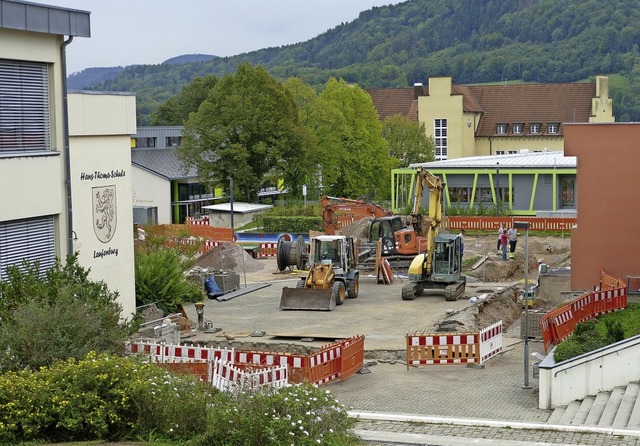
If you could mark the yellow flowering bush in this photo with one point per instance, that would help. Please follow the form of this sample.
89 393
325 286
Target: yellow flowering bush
100 397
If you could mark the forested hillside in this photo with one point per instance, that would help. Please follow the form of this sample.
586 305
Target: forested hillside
473 41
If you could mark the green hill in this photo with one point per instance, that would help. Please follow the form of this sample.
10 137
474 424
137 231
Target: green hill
472 41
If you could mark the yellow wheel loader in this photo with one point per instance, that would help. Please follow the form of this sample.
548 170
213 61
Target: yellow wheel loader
331 278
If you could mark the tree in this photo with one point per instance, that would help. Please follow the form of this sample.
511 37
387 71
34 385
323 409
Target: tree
56 315
407 140
352 154
175 110
247 129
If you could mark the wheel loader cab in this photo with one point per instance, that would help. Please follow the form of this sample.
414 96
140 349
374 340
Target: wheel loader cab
328 251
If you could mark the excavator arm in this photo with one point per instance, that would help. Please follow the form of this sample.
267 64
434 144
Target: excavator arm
433 184
350 210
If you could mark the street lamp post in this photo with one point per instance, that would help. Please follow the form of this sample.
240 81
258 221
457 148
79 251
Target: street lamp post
231 200
497 189
525 298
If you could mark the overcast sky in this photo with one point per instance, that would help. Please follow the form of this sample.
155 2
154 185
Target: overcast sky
128 32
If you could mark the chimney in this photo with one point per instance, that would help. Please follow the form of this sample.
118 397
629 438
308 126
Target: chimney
417 90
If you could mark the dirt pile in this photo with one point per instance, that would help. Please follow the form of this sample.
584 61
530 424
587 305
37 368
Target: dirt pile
554 251
229 257
484 310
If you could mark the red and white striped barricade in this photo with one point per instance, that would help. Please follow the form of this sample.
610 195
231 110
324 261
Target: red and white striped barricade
442 349
490 341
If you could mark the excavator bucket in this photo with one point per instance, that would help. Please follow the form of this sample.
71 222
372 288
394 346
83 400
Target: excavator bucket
307 299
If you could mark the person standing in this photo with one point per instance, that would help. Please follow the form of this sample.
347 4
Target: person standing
504 241
513 241
461 244
500 231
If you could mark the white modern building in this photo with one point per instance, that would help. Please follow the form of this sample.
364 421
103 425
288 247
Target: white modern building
65 160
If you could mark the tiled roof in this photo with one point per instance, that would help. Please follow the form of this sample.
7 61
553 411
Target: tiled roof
530 160
532 103
502 104
391 101
162 162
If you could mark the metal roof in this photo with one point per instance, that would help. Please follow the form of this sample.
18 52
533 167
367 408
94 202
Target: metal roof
528 160
241 208
162 162
26 16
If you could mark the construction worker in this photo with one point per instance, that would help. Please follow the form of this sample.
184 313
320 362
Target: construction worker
513 240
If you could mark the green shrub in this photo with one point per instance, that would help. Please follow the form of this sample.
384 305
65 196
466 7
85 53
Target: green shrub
298 225
101 397
300 415
57 315
598 333
160 279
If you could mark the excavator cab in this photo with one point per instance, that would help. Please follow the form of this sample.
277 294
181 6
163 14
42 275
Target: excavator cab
386 228
447 263
437 271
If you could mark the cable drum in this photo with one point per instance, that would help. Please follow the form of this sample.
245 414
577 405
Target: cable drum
291 253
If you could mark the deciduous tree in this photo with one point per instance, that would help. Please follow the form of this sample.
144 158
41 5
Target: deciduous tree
407 140
248 129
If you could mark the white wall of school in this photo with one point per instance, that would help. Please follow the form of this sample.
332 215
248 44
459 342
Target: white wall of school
100 127
150 190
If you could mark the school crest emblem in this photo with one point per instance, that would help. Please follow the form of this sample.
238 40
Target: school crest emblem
104 212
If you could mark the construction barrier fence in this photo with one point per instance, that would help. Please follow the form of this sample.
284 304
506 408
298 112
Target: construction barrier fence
338 360
558 324
547 224
226 376
454 348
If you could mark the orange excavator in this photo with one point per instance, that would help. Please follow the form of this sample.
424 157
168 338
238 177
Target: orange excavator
340 212
401 240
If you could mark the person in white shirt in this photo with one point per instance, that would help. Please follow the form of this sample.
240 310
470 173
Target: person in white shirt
513 240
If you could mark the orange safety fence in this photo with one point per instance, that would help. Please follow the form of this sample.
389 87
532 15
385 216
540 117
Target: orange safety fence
200 370
338 360
352 356
267 249
552 224
443 349
558 324
608 282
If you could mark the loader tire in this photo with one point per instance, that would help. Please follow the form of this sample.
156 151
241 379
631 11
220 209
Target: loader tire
338 292
353 287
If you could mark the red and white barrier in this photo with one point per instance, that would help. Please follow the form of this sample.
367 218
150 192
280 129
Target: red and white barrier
490 341
455 348
226 376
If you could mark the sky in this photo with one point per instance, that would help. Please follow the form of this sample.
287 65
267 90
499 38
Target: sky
129 32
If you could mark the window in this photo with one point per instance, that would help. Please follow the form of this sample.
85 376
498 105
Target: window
145 143
517 129
512 152
483 195
553 128
459 194
440 133
568 186
174 141
534 129
499 152
501 129
24 115
30 239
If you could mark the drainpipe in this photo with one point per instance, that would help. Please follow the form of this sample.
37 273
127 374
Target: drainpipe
67 157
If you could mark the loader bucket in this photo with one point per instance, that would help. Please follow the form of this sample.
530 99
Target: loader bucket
307 299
